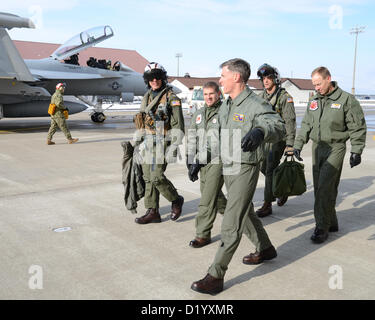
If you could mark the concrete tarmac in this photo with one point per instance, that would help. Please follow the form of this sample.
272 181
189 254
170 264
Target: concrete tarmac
102 254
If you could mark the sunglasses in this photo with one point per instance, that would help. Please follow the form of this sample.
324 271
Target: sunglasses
156 74
155 77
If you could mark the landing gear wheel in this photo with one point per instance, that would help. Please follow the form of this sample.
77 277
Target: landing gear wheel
101 117
98 117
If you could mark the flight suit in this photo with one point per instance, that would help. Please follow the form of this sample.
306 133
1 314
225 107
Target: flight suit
58 119
329 121
204 143
283 104
241 171
157 144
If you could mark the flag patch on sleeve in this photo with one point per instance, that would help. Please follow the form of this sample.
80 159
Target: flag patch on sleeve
175 103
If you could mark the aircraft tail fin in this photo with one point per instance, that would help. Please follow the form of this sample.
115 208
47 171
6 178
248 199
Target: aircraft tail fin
9 21
12 66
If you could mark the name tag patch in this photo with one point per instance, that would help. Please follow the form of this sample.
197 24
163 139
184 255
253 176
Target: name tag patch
335 105
238 117
313 105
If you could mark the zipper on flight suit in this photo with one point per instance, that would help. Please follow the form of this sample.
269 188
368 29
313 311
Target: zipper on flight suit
320 106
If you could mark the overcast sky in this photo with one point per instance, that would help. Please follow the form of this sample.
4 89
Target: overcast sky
294 35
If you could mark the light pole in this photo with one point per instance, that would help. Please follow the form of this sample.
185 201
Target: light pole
178 56
355 31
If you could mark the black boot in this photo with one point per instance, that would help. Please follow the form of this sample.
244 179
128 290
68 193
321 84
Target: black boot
319 236
281 201
333 228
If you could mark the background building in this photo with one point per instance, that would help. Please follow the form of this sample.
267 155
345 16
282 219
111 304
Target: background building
40 50
299 89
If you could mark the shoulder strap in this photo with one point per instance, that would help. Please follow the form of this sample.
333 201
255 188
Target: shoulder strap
145 101
275 97
155 101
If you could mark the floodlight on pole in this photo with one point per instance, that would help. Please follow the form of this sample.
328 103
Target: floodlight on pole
355 31
178 56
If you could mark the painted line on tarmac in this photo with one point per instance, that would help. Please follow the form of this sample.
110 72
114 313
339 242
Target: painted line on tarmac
33 128
22 129
6 132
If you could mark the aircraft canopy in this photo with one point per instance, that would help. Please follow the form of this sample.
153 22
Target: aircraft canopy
84 40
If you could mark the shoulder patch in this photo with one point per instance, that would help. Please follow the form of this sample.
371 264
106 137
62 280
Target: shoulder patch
289 100
198 119
313 105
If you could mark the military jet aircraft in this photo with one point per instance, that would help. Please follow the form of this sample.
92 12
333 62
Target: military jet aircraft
26 86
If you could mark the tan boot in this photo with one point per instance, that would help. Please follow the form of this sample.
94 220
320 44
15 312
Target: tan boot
70 141
265 210
50 142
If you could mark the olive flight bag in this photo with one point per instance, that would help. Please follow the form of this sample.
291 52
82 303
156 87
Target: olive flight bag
289 179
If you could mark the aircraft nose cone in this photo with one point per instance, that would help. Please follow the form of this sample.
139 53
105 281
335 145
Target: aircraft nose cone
75 107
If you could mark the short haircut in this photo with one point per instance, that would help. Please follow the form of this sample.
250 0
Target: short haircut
238 65
212 85
323 71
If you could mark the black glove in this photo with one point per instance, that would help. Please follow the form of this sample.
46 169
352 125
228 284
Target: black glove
252 140
355 159
193 171
297 154
189 161
187 164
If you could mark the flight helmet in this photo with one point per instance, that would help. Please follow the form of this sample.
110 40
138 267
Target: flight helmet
267 70
154 70
61 85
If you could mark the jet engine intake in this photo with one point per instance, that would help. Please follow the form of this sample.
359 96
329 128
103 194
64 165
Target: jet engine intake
127 96
37 109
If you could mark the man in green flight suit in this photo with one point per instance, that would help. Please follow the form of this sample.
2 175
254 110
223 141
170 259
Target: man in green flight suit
161 127
246 121
282 103
58 118
203 156
332 117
